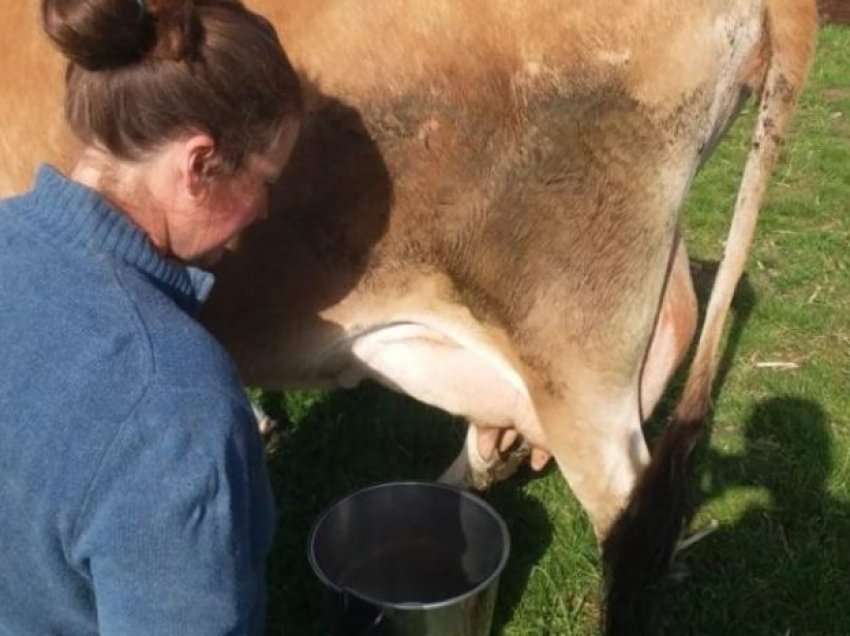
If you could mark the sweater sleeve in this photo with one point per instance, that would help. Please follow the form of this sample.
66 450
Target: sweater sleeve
178 521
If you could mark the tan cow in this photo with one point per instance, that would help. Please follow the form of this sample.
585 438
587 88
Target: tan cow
482 212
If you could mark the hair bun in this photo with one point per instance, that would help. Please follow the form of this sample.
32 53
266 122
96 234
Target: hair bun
173 24
106 34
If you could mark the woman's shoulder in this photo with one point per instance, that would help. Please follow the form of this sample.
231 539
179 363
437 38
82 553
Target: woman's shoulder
184 354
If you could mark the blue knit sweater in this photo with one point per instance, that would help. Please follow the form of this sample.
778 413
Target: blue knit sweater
133 494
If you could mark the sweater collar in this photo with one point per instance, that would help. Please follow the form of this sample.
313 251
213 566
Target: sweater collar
73 214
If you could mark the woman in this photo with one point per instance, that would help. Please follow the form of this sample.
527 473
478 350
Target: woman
133 491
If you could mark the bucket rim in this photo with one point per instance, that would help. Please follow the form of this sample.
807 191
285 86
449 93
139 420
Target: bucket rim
503 531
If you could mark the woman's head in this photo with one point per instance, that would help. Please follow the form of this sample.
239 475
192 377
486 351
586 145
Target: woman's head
203 83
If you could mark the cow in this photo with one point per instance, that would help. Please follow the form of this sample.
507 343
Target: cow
482 212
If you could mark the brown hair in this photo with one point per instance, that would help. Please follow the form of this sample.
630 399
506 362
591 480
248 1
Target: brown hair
141 72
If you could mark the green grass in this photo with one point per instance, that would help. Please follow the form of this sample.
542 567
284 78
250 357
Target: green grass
776 473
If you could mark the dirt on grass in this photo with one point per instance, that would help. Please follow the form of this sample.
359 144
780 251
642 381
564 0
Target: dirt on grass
833 95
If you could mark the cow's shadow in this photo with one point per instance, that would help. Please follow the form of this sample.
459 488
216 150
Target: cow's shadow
783 567
338 443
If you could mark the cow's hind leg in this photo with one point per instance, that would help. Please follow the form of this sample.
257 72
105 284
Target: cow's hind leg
492 454
596 438
674 330
638 549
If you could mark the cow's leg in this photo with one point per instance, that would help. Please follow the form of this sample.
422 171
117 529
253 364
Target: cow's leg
674 331
488 454
596 438
593 424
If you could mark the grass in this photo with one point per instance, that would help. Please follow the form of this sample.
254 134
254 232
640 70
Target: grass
775 475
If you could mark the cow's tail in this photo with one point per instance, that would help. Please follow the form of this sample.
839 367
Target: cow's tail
638 549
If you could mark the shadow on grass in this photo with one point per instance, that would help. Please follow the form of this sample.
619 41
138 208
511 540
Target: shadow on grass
783 567
346 440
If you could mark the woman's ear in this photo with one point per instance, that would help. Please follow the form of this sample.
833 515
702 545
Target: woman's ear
198 158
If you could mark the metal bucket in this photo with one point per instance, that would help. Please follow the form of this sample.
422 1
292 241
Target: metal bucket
409 559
